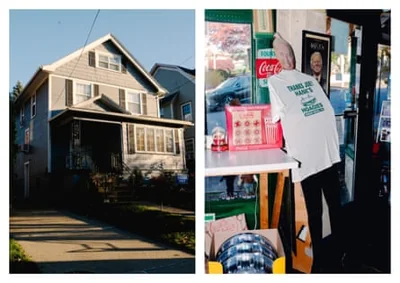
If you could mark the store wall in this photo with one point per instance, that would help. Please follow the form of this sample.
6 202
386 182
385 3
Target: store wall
291 23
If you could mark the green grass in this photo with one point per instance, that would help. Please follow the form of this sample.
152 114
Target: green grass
20 262
174 229
17 254
183 239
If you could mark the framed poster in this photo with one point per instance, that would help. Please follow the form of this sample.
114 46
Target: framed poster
384 128
316 57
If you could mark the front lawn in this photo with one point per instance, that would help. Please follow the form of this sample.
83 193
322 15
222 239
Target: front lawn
173 229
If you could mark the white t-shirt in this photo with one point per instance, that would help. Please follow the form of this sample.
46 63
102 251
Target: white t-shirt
308 122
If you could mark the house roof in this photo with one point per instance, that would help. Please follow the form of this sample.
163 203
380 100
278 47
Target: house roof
188 73
38 77
170 97
99 116
53 66
120 46
104 100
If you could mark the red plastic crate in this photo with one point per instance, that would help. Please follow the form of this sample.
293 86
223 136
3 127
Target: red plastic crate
250 127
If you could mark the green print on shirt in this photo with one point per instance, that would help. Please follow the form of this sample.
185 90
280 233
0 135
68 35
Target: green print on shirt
304 90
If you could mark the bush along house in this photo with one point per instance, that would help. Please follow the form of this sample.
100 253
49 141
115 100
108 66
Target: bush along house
94 114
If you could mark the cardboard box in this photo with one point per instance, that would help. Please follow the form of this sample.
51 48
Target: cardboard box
271 234
231 224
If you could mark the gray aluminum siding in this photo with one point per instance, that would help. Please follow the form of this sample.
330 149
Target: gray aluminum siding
187 94
167 111
112 92
37 126
173 81
81 70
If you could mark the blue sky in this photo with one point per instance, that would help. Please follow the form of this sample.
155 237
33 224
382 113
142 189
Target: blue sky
40 37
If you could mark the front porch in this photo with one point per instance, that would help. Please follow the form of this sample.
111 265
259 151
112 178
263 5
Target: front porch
111 153
87 146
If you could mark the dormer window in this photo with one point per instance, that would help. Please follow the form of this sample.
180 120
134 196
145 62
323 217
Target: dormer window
109 61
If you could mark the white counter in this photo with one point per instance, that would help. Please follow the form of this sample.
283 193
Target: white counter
247 162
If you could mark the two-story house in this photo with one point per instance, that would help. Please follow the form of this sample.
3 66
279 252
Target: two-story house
97 109
179 103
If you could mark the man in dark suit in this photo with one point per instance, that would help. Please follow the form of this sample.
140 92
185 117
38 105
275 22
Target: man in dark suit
316 65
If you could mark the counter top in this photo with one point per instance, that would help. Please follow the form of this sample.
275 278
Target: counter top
247 162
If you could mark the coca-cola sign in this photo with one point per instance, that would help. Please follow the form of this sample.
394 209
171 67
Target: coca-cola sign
266 67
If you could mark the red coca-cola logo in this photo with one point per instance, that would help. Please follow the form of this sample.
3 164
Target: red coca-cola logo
267 67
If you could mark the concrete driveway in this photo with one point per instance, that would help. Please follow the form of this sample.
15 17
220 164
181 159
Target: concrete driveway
61 242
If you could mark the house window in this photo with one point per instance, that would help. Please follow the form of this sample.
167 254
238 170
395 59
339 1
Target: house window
140 139
133 102
189 146
22 116
150 141
109 61
27 137
169 141
33 105
160 145
187 111
154 140
83 91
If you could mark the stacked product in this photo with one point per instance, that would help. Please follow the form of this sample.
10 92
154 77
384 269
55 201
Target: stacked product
247 253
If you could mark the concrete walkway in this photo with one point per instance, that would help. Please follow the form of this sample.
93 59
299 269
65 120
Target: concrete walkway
61 242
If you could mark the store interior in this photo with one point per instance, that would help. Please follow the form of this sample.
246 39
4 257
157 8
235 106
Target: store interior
356 51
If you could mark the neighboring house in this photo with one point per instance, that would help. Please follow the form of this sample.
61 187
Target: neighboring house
179 103
95 110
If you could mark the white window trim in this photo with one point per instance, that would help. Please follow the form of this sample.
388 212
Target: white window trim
140 100
191 111
22 116
98 53
145 140
74 90
102 84
33 103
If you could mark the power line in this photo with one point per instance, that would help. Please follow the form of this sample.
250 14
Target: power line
87 38
179 86
80 55
186 60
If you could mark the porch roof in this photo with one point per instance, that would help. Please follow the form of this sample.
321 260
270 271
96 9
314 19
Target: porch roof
73 113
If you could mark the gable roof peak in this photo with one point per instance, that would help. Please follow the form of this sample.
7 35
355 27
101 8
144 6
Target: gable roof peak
52 67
